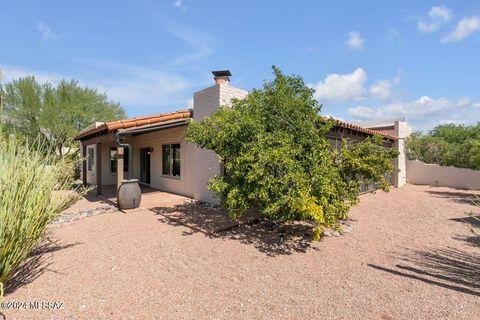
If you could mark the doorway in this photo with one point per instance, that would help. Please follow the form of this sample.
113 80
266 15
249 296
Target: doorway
91 162
145 165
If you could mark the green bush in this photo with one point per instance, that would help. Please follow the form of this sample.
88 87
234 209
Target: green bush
447 145
278 160
34 189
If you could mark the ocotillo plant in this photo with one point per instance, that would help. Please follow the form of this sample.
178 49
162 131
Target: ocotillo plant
34 189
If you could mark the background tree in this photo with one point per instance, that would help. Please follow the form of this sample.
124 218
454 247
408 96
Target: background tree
447 145
278 160
56 112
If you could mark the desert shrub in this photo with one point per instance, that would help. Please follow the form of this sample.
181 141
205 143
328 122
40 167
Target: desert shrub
278 160
447 145
34 189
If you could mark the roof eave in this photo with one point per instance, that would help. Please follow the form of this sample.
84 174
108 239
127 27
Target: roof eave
110 127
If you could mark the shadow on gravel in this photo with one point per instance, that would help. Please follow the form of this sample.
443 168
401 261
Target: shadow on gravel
448 268
199 217
266 236
459 196
35 265
473 223
273 239
473 240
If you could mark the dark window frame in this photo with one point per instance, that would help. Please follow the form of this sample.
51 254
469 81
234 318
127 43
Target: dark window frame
113 160
172 160
90 159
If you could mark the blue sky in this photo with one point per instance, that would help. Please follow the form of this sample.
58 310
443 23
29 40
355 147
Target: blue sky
369 62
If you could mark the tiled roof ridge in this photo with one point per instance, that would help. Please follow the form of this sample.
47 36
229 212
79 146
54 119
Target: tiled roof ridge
111 126
357 127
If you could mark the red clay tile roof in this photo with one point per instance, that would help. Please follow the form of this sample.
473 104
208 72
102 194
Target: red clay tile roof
112 126
356 127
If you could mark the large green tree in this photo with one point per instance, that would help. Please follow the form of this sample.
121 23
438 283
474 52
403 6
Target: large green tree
278 160
56 112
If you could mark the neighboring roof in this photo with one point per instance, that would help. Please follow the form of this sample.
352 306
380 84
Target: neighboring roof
113 126
356 127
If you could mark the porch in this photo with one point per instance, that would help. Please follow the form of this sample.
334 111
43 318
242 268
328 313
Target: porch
158 158
179 210
151 197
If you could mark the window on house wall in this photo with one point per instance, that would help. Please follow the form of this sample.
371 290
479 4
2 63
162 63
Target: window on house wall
126 159
335 142
90 159
114 158
171 159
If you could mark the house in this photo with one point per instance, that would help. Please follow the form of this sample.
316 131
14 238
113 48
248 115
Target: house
162 159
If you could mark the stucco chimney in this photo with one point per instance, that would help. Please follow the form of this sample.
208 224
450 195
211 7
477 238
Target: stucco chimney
222 76
205 102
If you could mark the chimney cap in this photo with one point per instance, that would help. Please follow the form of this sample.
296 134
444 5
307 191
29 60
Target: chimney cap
221 73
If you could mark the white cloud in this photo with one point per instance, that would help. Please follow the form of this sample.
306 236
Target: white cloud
46 32
476 105
135 86
14 72
151 88
200 43
355 41
312 50
143 86
342 87
179 4
394 36
383 89
420 107
427 27
437 16
463 102
423 113
352 86
440 13
363 113
465 28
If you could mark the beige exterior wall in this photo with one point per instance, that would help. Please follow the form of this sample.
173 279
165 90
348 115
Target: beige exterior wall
206 162
155 140
402 130
432 174
107 142
179 185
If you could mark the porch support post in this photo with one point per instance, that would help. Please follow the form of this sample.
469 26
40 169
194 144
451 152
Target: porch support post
119 166
402 131
98 167
84 164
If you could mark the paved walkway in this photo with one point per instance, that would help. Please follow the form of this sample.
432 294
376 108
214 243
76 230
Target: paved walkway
151 198
202 217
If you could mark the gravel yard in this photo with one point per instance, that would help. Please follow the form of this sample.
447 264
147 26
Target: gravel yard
411 255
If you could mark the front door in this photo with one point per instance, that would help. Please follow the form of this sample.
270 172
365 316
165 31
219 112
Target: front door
145 165
91 162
